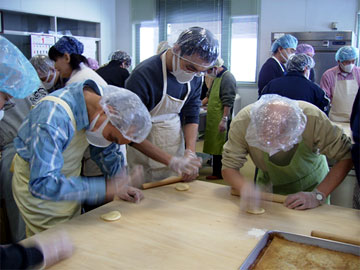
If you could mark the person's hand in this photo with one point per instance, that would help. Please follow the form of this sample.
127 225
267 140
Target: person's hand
54 248
222 125
187 166
131 194
250 196
124 185
302 200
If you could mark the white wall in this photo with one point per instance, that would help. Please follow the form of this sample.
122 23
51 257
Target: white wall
102 11
298 16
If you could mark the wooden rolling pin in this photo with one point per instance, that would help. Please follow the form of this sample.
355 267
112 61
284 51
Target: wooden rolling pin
166 181
264 196
335 237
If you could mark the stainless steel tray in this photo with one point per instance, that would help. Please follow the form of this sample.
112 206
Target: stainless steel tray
308 240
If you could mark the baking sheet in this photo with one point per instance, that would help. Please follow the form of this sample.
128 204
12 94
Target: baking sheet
303 239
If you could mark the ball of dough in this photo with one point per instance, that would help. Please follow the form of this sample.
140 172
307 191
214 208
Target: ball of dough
256 211
182 187
111 216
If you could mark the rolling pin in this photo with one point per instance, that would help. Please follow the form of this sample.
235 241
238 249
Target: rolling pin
166 181
335 237
264 196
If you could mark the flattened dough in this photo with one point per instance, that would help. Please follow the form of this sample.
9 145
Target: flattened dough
256 211
182 187
111 216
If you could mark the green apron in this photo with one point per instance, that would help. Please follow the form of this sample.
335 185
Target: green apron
214 140
304 172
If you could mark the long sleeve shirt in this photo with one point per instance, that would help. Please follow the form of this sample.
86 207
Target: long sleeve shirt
46 133
327 81
15 256
146 80
320 135
269 71
295 86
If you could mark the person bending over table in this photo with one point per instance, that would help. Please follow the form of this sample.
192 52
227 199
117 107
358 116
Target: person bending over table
288 141
51 142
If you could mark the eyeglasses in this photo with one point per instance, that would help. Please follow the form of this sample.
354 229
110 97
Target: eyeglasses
192 69
8 104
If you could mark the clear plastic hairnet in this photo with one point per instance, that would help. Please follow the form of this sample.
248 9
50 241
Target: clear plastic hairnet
346 53
305 48
126 112
219 62
121 56
18 77
42 64
199 41
276 124
299 62
286 41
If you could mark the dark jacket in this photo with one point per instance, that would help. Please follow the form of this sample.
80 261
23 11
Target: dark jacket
269 71
294 85
113 74
354 124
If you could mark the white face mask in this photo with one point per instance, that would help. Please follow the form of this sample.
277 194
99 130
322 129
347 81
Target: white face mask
287 55
96 137
180 75
307 74
1 114
347 68
49 85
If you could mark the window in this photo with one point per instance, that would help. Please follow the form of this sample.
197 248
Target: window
244 31
234 23
149 39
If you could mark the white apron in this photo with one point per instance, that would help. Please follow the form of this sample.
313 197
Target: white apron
41 214
343 99
166 133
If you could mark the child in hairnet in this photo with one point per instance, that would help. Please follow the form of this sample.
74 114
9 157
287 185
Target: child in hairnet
52 140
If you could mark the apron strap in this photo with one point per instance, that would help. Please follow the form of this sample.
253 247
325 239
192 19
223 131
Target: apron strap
64 105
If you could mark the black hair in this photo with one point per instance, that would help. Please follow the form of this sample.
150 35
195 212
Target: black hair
75 59
200 41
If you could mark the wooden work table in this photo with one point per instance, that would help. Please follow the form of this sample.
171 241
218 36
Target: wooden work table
202 228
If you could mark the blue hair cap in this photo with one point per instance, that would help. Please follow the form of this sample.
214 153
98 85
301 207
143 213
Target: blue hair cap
18 77
346 53
286 41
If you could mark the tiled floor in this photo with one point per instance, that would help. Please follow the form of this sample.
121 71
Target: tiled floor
248 170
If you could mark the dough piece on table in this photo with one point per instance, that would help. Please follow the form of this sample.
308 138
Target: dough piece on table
256 211
111 216
182 187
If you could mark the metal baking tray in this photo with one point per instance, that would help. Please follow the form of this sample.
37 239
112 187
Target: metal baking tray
308 240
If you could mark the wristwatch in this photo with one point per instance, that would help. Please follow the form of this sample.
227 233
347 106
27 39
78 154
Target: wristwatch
320 196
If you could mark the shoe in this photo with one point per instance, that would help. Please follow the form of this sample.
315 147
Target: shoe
213 177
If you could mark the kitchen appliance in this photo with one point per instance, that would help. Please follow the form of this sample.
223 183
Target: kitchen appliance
325 44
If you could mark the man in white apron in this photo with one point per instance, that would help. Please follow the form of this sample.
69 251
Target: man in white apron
288 141
51 142
169 85
341 83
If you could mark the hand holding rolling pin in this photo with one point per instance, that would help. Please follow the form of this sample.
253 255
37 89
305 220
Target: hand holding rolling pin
187 166
122 185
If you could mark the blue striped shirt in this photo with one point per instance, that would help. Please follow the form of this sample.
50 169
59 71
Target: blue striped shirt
46 133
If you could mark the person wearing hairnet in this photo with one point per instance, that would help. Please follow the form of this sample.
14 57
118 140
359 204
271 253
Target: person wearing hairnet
14 116
169 84
49 76
115 72
219 100
18 79
274 67
73 66
308 50
289 142
52 140
297 85
341 83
